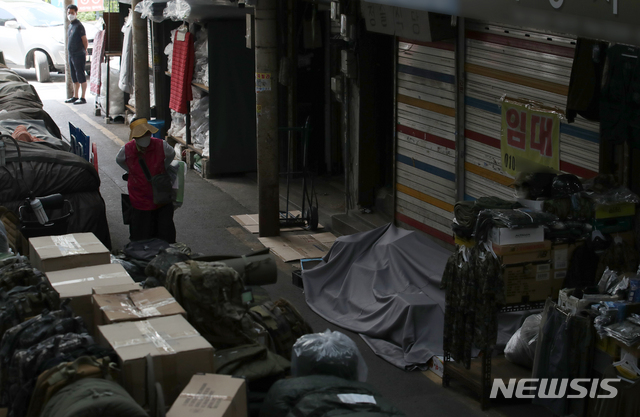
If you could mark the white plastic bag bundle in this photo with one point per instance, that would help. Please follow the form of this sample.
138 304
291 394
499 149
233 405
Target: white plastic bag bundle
521 348
146 10
328 353
116 95
201 65
199 121
177 10
178 125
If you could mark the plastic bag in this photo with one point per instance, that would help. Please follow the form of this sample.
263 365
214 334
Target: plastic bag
177 10
604 189
608 282
201 65
178 124
328 353
116 95
148 11
626 332
521 348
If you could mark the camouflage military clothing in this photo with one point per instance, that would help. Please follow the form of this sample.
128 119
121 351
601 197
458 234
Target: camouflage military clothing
283 322
620 257
19 274
576 207
23 371
30 333
474 294
211 294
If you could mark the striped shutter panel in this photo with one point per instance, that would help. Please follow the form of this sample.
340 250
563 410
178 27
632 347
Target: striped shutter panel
520 63
425 154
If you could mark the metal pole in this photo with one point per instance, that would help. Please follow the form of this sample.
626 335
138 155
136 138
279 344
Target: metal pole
140 63
292 114
67 70
267 117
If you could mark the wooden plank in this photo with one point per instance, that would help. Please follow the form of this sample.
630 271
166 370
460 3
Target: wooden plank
175 139
201 87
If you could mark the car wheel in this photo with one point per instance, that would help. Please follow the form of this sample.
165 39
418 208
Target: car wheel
42 67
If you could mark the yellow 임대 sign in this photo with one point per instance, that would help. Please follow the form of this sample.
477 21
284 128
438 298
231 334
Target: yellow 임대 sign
530 136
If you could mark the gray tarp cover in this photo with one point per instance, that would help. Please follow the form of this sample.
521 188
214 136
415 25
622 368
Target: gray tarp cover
385 285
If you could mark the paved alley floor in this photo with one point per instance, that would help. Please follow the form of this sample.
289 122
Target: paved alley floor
204 223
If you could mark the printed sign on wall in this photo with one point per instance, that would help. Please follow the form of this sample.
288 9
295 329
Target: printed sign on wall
530 135
90 5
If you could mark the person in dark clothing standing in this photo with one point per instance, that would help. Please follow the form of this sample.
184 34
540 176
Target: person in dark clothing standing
148 220
77 45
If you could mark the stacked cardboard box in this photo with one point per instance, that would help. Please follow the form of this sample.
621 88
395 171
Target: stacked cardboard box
134 305
212 396
77 284
527 271
55 253
177 350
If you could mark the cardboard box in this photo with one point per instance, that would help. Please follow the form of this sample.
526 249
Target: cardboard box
502 250
607 211
177 349
530 282
56 253
117 289
526 257
561 254
134 305
436 365
212 395
505 236
77 284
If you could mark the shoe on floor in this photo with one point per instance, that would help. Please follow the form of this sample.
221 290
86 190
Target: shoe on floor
80 101
71 100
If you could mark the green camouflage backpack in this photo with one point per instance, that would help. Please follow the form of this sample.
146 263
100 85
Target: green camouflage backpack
19 274
211 294
54 379
283 322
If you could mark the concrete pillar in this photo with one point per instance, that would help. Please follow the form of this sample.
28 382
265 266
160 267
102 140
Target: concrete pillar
140 63
267 117
67 70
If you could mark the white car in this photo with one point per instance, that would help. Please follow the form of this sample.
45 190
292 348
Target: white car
32 36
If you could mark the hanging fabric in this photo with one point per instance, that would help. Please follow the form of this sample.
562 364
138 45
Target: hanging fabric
97 56
126 67
182 71
586 80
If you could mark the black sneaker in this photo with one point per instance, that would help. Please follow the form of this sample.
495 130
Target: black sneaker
80 101
71 100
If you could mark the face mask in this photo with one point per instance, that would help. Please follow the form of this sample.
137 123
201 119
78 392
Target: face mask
72 17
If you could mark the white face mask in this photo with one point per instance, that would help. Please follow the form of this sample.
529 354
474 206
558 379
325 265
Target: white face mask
71 17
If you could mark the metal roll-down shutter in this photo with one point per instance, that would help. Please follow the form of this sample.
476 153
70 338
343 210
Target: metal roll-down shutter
522 64
425 152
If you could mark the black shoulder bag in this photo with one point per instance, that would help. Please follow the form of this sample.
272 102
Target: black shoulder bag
161 185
